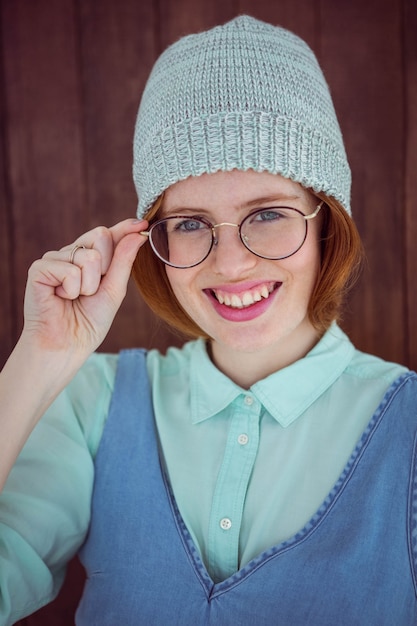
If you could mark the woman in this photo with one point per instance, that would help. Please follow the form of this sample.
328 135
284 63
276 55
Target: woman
263 474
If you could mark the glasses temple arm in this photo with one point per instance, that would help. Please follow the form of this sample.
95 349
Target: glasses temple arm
316 212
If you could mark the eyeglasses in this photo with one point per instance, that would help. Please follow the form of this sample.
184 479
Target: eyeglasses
275 233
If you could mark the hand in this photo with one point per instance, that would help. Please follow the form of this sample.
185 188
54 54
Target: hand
70 306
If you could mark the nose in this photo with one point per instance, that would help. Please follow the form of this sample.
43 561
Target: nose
229 255
215 226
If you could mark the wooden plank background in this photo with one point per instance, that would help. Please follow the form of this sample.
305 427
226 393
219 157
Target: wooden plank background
71 74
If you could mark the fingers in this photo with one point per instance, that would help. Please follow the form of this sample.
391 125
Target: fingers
55 276
117 277
77 269
103 240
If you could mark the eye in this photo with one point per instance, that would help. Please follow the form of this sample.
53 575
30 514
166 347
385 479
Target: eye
270 215
189 225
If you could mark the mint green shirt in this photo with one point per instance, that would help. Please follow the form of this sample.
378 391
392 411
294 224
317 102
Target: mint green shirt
248 467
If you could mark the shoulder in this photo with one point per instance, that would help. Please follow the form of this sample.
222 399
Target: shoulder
389 387
365 379
99 370
368 367
93 384
176 361
81 410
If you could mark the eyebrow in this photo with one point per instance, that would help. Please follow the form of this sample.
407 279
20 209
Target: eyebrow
256 202
271 198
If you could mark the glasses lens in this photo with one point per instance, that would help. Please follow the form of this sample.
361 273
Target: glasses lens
274 233
181 241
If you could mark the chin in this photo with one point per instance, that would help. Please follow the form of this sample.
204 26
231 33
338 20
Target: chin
271 337
249 340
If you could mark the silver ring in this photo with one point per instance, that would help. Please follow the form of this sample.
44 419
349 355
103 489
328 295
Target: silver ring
74 250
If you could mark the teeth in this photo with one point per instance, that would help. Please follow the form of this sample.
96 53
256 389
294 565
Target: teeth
264 292
236 301
248 299
245 299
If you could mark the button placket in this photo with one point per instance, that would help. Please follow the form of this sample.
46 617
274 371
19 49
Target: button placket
231 487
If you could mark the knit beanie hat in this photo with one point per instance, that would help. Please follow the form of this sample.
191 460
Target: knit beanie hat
245 95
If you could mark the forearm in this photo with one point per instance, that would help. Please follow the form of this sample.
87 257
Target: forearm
29 382
45 504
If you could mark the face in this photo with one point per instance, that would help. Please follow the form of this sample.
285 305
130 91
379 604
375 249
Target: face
249 306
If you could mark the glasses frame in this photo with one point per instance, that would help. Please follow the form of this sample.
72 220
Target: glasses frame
214 240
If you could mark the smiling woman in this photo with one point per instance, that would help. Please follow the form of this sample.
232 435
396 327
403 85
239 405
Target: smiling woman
261 473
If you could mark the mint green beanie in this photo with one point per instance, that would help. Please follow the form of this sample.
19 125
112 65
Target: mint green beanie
246 95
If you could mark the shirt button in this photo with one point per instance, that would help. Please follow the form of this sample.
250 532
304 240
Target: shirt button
225 523
243 439
248 400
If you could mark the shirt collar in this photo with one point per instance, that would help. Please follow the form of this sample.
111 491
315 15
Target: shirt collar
285 394
211 390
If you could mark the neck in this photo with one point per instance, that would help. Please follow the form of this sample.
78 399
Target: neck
246 367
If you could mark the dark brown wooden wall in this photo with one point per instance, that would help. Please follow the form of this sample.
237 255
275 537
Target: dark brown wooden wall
71 76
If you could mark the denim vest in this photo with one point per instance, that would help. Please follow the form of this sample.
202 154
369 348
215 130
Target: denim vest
354 563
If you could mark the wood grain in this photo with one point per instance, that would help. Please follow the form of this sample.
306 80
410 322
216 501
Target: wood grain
410 196
362 58
45 166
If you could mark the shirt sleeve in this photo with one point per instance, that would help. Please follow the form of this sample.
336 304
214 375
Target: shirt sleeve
45 505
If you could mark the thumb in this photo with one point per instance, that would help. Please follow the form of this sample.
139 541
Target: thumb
118 274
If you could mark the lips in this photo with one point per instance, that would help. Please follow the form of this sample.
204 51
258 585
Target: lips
244 298
246 302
